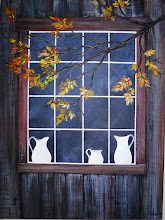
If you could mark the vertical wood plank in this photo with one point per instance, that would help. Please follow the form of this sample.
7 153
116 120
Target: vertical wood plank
127 197
60 199
9 178
46 183
99 197
37 8
31 198
74 193
152 184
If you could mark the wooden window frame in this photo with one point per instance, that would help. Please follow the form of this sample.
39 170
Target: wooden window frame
83 24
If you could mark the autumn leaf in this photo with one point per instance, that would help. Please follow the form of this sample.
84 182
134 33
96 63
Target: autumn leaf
71 115
128 98
152 67
95 2
86 93
52 103
61 116
142 79
10 14
67 86
149 53
121 3
134 67
61 23
108 13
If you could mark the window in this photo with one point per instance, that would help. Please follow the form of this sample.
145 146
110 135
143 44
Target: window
98 120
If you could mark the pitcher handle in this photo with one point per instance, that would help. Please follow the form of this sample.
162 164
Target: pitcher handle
87 152
30 143
130 135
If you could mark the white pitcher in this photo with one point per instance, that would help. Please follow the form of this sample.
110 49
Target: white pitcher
40 154
123 154
95 156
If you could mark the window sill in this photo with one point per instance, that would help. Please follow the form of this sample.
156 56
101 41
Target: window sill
82 169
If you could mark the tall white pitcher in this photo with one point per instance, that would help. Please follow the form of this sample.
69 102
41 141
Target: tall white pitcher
40 154
123 154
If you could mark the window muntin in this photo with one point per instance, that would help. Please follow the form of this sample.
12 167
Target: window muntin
70 138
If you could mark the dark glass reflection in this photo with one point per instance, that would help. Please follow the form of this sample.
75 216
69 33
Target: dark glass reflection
122 116
124 54
69 146
40 114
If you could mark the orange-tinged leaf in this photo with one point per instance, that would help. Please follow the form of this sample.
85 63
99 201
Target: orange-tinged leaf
149 53
134 66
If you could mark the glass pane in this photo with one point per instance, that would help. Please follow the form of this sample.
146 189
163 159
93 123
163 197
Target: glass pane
40 135
94 39
121 115
100 80
40 114
76 121
49 90
122 156
71 48
117 71
70 73
124 54
69 146
96 113
96 140
38 43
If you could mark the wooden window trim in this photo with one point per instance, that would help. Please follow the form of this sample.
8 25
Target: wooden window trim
140 166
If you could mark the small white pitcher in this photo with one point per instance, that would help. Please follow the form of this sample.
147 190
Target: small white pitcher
95 156
40 154
123 154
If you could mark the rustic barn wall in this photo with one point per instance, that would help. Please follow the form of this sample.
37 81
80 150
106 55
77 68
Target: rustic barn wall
32 195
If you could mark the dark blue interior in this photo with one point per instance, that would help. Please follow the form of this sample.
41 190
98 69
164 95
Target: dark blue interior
93 39
96 113
100 80
124 54
67 41
69 146
122 116
40 114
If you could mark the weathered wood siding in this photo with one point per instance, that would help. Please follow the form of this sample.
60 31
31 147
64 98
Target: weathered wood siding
49 195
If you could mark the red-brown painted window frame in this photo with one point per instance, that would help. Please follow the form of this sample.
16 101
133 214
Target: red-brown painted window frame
140 166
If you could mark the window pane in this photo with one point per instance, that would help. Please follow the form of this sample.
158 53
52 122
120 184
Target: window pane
40 114
121 115
96 140
70 43
100 80
49 90
38 43
71 74
113 145
117 71
69 146
96 113
124 54
94 39
40 135
76 121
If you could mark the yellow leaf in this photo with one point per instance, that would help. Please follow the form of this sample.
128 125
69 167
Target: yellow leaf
94 2
149 53
134 66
